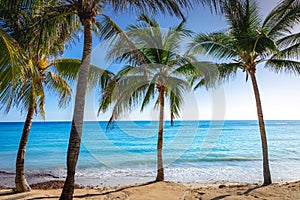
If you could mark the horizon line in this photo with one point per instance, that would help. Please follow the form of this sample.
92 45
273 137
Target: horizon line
154 120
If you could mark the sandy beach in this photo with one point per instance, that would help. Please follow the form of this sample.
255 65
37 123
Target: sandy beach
100 98
166 190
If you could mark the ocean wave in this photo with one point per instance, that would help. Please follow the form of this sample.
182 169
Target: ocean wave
203 174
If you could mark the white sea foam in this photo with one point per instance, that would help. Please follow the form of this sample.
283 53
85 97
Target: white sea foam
281 171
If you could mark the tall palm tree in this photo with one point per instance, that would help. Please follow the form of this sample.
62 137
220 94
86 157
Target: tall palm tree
155 71
250 42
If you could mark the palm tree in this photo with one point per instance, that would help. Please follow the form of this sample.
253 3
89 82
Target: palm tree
50 76
155 71
250 42
23 81
29 96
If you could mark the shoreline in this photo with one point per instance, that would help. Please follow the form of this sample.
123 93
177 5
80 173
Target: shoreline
166 190
121 177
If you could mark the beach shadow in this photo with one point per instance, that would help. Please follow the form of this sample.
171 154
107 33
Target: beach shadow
100 194
7 193
54 197
221 197
115 191
252 189
246 193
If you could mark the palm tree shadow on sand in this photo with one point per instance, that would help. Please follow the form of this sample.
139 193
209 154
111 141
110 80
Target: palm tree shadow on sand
246 193
99 193
94 194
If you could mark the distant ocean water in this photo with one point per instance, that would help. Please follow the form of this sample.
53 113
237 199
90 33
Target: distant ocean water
194 151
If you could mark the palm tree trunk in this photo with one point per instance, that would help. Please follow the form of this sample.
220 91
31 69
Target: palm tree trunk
76 131
160 166
266 169
20 179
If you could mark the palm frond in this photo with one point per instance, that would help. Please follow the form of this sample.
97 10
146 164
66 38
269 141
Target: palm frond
264 45
11 56
127 94
282 65
228 70
289 46
115 36
112 88
206 72
30 93
57 85
69 69
148 96
288 40
243 20
56 27
176 91
151 22
219 45
13 70
108 28
291 52
175 105
282 18
173 7
241 15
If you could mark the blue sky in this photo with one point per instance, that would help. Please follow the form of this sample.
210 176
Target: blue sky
280 93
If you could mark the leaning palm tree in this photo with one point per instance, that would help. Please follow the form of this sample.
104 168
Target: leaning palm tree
250 42
24 79
155 71
28 96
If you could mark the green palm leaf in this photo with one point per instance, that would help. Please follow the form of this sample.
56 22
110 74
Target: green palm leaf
69 69
282 65
57 85
10 56
219 45
283 18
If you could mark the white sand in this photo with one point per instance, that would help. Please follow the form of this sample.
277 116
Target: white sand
170 190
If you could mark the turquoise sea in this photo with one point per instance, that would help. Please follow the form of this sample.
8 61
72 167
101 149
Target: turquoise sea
194 151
